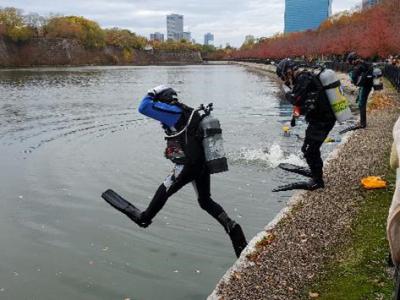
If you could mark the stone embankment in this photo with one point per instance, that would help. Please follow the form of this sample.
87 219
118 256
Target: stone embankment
291 251
65 52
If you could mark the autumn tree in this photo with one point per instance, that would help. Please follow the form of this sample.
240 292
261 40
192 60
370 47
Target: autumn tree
372 32
12 25
19 27
86 31
171 45
124 38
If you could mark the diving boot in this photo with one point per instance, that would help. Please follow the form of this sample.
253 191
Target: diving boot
310 185
124 206
235 232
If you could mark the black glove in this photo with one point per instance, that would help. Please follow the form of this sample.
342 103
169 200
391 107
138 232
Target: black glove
289 97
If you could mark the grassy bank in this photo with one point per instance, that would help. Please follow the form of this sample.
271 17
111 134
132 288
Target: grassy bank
360 271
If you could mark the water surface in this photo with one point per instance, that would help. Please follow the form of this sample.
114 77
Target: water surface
67 134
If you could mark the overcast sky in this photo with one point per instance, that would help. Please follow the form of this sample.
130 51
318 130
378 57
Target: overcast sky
229 20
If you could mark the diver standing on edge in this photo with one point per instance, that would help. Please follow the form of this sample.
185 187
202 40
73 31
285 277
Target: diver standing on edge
310 99
362 76
185 138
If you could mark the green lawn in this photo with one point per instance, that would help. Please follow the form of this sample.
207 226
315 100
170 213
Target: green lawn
361 270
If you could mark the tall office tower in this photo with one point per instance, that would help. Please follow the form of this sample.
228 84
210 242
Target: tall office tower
174 27
301 15
369 3
208 39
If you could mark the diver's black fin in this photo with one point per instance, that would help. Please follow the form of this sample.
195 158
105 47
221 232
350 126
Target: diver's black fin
302 185
296 169
124 206
351 128
238 239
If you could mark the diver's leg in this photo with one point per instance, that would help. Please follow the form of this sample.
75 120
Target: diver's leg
235 232
180 176
362 104
316 134
312 154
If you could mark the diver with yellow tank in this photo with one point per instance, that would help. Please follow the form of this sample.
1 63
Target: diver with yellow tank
317 95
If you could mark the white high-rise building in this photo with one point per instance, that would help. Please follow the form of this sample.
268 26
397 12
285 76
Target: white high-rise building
174 27
208 39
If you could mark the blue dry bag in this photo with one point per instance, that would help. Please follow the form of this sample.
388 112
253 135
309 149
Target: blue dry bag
167 114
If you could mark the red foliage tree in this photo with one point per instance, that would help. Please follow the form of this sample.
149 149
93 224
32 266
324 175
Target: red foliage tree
372 32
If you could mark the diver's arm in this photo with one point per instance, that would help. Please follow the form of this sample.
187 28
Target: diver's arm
167 113
149 103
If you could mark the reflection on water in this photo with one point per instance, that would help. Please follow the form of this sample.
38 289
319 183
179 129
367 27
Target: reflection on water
67 134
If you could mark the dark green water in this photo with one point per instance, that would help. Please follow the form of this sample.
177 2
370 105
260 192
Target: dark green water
67 134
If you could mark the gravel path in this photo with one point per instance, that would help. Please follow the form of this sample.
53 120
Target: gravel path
293 252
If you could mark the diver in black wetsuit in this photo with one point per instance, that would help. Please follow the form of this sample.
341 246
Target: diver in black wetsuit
362 76
308 97
185 150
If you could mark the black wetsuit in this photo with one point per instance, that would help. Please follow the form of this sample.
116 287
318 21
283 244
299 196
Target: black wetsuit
308 93
189 167
361 76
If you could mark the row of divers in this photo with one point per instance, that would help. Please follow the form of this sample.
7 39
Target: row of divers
194 137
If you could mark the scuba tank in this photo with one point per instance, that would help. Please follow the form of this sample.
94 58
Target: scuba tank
212 142
377 79
335 95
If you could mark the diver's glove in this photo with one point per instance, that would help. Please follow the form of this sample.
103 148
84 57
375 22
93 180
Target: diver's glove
157 90
163 93
286 88
289 97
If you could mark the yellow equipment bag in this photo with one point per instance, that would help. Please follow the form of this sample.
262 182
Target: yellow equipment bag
373 182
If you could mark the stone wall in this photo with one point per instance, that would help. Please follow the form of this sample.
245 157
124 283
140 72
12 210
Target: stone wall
61 52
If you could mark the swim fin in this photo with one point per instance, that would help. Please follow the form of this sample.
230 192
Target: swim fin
296 169
302 185
351 128
125 207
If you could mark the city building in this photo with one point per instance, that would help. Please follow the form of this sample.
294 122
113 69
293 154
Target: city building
249 39
174 27
369 3
208 39
157 36
302 15
187 36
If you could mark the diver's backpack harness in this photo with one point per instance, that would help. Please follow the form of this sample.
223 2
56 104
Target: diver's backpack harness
211 136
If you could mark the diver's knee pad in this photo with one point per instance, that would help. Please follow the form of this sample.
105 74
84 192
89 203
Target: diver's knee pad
171 179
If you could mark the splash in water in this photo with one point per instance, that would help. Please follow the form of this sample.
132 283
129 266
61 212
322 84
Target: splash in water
271 156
